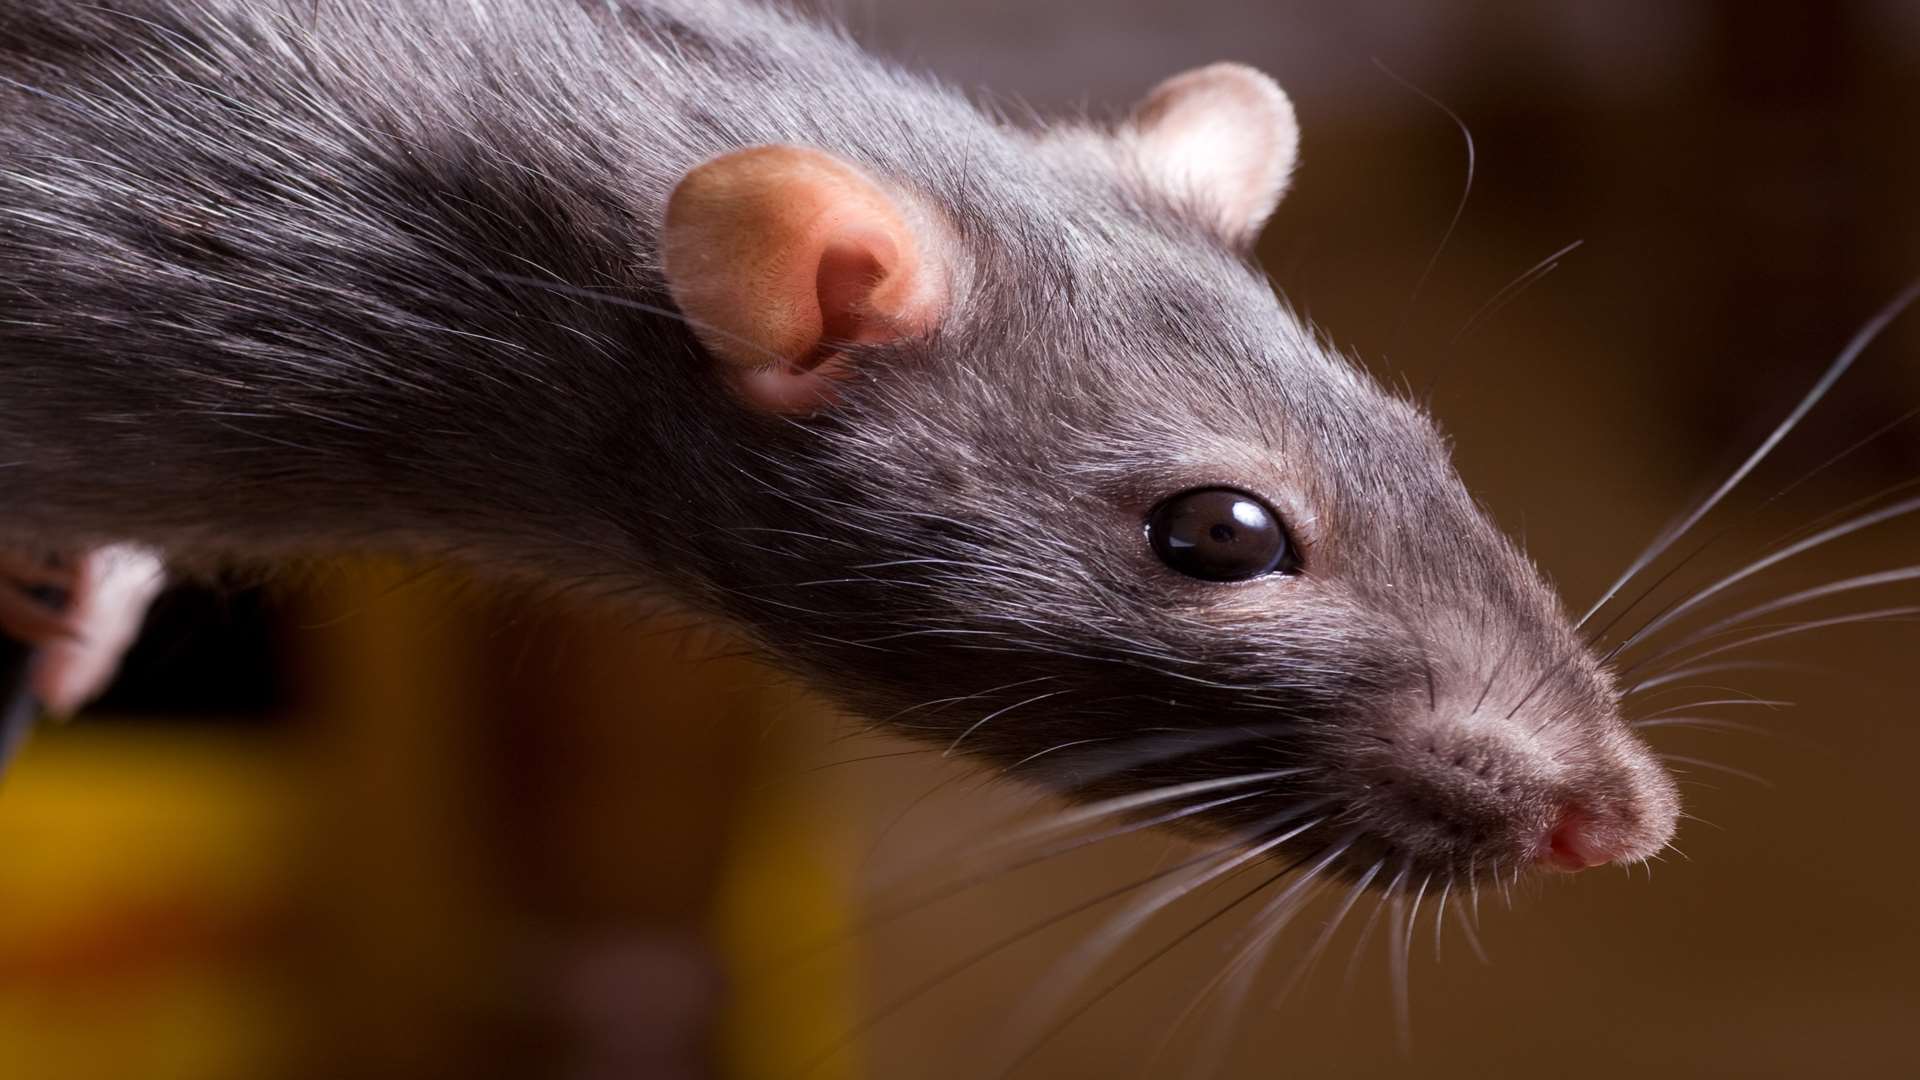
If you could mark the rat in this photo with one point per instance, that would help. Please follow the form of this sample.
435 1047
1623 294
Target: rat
989 429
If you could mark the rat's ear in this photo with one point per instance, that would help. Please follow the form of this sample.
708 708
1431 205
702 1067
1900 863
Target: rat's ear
780 256
1222 136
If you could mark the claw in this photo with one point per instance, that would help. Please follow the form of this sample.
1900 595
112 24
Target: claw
112 587
80 613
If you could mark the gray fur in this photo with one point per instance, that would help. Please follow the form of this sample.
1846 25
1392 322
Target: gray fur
252 306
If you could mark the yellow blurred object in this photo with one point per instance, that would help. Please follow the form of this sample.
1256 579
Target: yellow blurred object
481 809
143 884
786 887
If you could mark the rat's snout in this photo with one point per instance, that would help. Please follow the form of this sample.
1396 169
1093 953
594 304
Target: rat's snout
1492 797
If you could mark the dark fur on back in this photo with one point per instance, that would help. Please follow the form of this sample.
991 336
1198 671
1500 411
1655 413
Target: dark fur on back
259 298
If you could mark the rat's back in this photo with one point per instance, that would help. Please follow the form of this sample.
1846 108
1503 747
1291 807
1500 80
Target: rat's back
249 251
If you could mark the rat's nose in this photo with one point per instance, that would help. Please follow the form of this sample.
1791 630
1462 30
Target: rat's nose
1576 842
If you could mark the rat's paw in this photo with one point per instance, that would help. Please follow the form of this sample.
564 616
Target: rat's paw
81 612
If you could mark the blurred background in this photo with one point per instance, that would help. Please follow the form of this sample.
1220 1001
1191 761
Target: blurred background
376 822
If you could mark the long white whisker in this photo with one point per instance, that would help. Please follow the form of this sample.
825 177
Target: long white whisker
1881 615
1841 363
1473 937
1514 288
927 985
1864 581
1366 928
1397 950
1252 939
1413 915
1695 671
995 715
1459 208
1717 767
1162 746
1701 722
1125 803
1304 968
1792 534
921 901
1439 916
1818 522
1072 818
1864 521
1263 930
1081 1010
1768 703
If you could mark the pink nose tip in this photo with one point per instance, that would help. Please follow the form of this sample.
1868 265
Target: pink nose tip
1575 843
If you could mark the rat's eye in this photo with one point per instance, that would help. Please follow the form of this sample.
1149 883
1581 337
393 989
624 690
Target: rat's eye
1218 534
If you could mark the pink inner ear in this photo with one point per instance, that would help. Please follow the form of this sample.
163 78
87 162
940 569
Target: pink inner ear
854 270
781 256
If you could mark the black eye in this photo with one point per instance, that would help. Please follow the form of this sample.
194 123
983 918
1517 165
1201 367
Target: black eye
1218 534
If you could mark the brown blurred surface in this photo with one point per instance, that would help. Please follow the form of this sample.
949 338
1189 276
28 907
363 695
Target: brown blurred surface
492 835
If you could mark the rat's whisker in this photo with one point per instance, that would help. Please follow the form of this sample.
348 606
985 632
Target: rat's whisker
1753 512
1032 1046
1828 535
1366 928
1076 816
1717 767
1666 539
1167 745
919 902
1250 952
1894 614
1137 800
1019 846
1056 748
939 978
1473 884
1243 953
1269 925
1680 675
1473 938
996 714
1046 998
1501 299
1769 703
1701 723
1398 948
1864 581
1439 916
939 704
1816 523
1459 208
1251 948
1413 915
823 766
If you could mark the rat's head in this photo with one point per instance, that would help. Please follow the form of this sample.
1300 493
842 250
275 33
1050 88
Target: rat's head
1053 480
